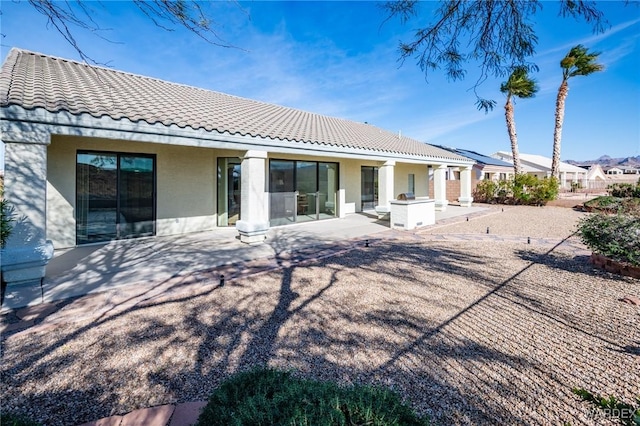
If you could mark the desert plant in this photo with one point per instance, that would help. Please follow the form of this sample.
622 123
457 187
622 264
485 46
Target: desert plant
521 189
485 191
504 191
10 419
522 183
6 219
627 414
609 204
624 190
614 236
266 396
545 190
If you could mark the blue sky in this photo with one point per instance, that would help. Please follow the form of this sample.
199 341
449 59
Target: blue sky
337 58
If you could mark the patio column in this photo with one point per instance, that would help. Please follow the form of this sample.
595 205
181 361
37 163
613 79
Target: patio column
254 215
440 187
465 187
27 251
563 180
385 188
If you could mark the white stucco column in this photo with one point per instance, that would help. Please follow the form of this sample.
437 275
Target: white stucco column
465 198
385 188
563 180
440 187
254 215
27 251
452 173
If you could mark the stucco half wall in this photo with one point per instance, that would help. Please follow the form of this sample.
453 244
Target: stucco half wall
185 185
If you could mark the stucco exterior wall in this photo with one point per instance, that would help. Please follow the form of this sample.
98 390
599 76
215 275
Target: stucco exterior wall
185 185
401 179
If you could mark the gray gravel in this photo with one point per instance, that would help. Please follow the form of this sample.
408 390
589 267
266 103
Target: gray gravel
470 332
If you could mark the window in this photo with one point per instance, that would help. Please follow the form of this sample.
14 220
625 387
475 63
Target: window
115 196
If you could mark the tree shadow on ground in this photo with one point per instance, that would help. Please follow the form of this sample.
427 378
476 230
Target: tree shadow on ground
363 316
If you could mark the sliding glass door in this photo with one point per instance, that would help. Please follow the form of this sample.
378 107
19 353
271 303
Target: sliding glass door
301 191
229 191
282 193
115 196
307 190
369 187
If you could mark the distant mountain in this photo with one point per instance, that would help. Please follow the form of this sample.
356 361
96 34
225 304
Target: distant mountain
605 161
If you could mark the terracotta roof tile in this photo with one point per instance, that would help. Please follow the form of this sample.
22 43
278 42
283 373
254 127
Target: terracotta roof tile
32 80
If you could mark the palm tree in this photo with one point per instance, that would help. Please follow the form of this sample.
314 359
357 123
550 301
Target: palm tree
522 86
577 62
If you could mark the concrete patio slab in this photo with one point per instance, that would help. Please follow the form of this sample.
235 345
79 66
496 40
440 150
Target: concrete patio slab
187 414
148 261
155 416
107 421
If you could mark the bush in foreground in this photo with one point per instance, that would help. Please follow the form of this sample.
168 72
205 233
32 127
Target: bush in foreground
10 419
612 407
270 397
614 236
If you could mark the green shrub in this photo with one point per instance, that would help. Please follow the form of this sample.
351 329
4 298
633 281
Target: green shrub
485 191
615 236
627 414
544 190
6 219
10 419
520 189
270 397
504 191
609 204
624 190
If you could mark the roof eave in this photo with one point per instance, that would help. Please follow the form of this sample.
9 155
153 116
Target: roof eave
37 126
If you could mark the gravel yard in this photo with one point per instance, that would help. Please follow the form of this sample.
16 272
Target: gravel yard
470 332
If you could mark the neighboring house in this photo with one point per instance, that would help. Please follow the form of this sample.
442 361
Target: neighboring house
94 154
541 167
615 171
486 167
630 170
596 174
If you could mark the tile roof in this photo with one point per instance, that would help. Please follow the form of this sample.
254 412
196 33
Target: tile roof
33 80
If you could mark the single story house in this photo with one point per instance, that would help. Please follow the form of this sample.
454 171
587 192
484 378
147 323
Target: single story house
94 154
596 174
541 167
615 171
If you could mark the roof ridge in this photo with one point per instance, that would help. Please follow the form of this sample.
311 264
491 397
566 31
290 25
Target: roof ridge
12 56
